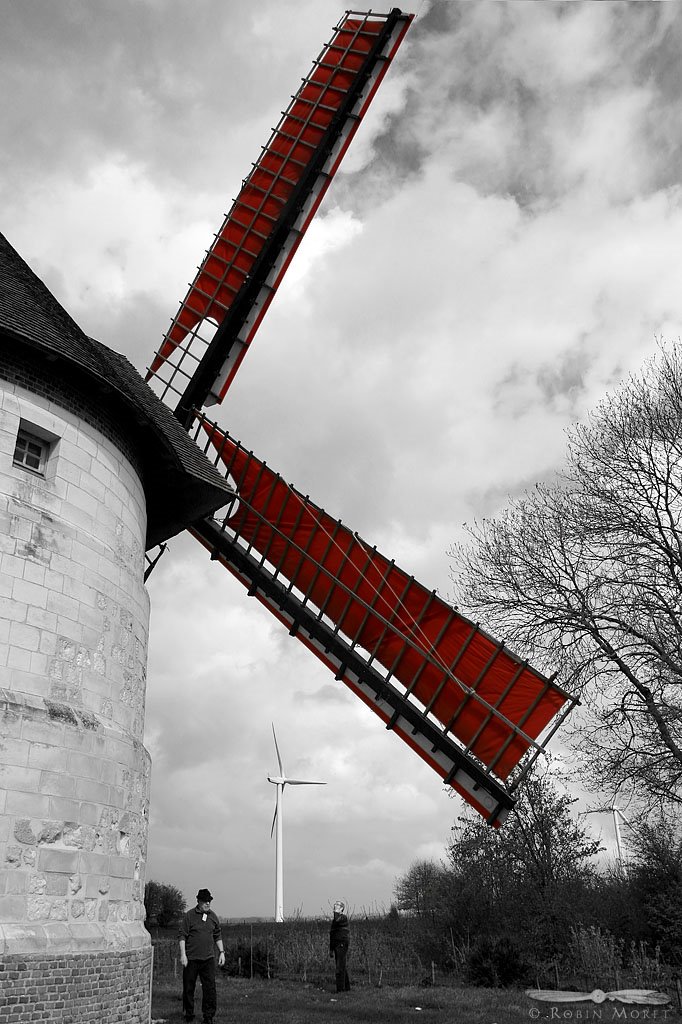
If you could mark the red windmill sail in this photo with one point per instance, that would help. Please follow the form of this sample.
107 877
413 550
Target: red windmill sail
253 248
493 704
470 708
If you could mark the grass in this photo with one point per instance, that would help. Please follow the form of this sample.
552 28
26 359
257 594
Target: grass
242 1001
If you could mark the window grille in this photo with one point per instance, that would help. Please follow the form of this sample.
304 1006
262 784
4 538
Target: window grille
31 452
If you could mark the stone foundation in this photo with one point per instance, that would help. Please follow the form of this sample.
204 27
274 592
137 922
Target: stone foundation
73 824
98 987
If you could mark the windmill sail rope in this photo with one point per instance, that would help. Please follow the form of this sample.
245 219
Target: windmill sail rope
427 648
431 652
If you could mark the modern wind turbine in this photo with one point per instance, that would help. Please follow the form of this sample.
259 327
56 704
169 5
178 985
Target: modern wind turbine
618 816
281 781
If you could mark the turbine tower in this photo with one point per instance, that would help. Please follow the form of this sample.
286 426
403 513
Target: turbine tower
618 816
281 781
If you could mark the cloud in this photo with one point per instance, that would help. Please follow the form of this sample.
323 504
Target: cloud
499 249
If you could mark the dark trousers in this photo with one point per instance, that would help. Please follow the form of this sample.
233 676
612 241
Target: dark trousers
205 971
342 979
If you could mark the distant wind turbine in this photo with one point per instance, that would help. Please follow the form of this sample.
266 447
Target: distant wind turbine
281 781
618 816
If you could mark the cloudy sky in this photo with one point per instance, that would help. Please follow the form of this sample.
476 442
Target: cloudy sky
500 249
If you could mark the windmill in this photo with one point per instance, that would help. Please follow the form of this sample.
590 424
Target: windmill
460 699
281 781
97 469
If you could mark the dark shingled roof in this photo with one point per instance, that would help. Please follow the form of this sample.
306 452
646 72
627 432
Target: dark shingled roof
181 485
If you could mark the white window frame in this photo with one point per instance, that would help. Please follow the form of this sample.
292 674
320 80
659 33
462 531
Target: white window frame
30 438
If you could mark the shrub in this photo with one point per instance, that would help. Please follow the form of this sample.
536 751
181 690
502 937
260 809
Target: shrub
596 955
496 963
250 961
164 904
645 968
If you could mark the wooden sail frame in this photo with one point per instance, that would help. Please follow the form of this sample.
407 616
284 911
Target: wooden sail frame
473 710
476 713
213 328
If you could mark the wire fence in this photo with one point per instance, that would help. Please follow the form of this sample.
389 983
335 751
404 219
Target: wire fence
381 956
302 954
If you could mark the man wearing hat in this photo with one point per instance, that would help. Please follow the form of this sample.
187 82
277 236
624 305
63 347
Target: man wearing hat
199 932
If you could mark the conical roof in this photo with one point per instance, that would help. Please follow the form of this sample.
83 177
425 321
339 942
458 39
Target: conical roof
181 485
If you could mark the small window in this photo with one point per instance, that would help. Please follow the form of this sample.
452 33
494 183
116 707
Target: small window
31 452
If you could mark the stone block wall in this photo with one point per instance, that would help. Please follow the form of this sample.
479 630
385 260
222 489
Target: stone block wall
74 775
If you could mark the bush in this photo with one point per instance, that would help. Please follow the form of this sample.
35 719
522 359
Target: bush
496 963
645 967
250 961
164 904
596 955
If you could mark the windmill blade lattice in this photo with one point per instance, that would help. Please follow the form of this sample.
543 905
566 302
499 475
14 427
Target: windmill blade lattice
235 284
460 699
473 711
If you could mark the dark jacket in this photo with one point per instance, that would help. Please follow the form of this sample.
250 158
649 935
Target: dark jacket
339 931
200 935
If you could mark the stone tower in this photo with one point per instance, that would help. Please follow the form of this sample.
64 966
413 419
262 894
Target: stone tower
93 471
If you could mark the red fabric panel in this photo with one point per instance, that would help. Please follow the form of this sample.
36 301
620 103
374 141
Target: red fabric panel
407 737
401 624
258 206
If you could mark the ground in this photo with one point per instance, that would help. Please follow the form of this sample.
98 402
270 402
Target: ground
241 1001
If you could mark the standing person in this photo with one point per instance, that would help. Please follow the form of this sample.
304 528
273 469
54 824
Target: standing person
339 941
199 933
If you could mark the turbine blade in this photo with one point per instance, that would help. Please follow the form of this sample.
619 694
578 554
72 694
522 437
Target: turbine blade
303 782
274 819
279 759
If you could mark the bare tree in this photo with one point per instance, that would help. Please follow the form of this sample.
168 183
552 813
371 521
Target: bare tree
164 904
654 882
542 846
420 890
532 879
584 577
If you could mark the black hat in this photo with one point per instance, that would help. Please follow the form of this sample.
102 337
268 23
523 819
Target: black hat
204 896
